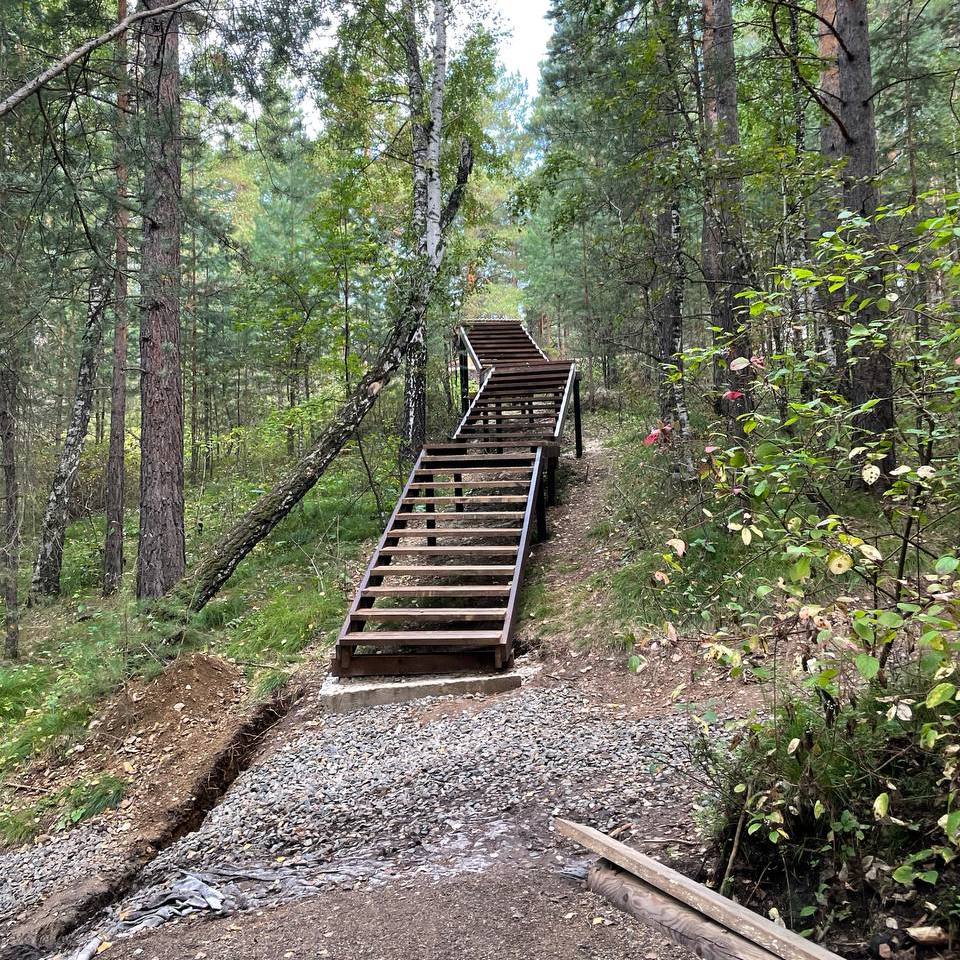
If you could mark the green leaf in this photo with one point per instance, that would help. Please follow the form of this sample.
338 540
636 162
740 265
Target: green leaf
950 822
881 805
800 570
767 450
947 564
868 667
941 693
904 874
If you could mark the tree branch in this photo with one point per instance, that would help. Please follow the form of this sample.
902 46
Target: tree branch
798 73
39 82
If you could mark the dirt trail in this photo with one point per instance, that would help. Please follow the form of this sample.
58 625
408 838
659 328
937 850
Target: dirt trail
424 830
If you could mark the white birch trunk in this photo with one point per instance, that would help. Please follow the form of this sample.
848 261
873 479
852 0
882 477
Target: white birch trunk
46 570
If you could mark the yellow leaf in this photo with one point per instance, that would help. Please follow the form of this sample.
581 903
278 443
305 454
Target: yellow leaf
870 473
838 563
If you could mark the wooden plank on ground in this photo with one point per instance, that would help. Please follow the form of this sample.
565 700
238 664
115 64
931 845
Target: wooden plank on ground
683 925
778 940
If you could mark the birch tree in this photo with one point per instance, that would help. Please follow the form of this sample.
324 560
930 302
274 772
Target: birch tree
46 568
426 124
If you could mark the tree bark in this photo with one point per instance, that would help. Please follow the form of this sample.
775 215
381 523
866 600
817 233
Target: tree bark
116 467
427 134
46 569
871 368
831 138
216 568
161 558
668 308
724 263
10 548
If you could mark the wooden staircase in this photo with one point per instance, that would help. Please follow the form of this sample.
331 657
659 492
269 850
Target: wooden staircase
440 592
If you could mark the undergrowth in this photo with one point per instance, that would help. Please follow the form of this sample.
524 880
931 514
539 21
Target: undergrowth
289 594
63 809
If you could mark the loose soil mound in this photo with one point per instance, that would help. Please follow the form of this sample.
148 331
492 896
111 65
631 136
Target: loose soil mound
174 742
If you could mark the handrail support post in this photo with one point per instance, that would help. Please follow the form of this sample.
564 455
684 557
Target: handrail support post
577 420
464 376
541 512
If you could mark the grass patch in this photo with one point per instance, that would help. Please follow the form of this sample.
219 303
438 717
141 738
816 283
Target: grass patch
66 808
289 593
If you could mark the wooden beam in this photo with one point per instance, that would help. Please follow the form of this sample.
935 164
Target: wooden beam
778 940
683 925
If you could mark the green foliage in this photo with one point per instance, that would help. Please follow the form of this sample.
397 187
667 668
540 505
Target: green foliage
59 811
289 594
88 798
850 791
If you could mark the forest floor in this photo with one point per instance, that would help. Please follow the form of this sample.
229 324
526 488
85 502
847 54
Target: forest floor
409 831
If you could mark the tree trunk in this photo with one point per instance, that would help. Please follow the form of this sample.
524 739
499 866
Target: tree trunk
427 134
831 139
871 373
724 263
668 308
116 467
215 569
161 559
46 569
10 548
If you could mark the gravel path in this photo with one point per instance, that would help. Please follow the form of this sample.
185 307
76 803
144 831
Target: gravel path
424 792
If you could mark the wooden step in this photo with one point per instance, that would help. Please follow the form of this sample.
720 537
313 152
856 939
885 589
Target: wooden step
413 664
506 427
479 499
471 485
453 531
429 613
416 637
483 471
448 515
465 456
441 590
444 570
451 448
447 550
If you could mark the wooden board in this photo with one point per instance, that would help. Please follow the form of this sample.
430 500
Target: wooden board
683 925
778 940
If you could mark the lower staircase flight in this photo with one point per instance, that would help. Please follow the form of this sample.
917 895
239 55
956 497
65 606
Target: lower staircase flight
441 590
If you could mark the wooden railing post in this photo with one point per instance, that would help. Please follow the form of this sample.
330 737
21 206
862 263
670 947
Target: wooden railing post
464 376
577 422
541 511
